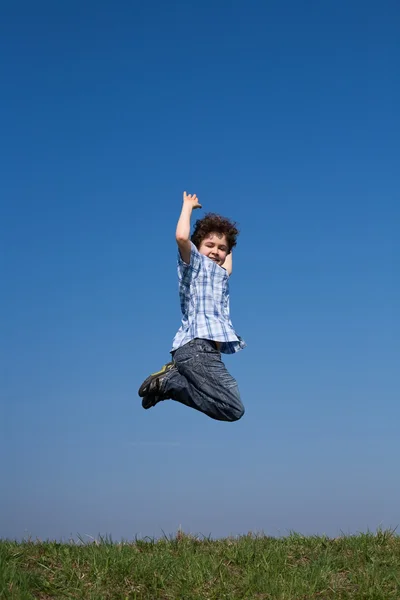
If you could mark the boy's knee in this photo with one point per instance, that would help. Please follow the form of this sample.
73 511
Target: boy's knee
236 414
236 408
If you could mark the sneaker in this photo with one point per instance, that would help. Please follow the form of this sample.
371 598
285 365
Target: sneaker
153 384
149 401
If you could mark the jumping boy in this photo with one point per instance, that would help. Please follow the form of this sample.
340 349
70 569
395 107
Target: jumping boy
196 376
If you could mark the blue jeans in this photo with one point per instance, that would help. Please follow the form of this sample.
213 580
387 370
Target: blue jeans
202 381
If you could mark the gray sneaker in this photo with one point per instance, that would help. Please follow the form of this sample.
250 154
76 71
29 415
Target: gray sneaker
152 386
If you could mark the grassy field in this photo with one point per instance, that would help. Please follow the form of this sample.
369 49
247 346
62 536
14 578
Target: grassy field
366 566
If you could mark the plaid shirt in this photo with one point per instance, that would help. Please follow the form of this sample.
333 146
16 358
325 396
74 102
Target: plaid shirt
204 297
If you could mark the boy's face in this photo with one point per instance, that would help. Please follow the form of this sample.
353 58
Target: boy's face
215 246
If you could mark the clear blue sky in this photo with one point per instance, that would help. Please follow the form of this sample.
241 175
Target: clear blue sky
281 115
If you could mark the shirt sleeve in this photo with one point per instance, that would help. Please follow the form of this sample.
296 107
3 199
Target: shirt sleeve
191 270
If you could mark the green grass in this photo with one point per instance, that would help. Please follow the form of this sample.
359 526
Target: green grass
365 566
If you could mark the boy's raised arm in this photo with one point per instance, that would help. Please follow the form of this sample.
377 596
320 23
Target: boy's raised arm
228 263
190 203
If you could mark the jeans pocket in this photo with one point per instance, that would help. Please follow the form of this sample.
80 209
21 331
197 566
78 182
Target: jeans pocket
185 355
207 348
185 360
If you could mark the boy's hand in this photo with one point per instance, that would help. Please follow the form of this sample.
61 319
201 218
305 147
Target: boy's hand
191 200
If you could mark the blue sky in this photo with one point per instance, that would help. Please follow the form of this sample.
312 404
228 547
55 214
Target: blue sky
282 116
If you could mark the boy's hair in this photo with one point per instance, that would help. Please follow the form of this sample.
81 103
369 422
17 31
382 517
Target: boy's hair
211 223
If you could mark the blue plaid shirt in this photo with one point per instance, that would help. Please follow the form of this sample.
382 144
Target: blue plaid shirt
204 297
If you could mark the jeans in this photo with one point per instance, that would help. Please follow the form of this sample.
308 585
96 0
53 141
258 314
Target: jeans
201 381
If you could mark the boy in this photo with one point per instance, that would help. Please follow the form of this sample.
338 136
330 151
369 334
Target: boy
197 377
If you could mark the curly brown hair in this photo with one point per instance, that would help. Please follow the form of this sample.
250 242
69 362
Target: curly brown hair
213 223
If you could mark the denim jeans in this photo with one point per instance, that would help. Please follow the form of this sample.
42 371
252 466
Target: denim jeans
202 381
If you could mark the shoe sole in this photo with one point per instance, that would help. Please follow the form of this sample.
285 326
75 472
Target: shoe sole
148 402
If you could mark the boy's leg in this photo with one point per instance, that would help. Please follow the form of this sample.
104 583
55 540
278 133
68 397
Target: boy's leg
202 381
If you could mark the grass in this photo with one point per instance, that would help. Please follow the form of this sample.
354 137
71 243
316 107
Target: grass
365 566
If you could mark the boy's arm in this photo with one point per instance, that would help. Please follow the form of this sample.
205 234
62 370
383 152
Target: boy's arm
182 235
228 263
